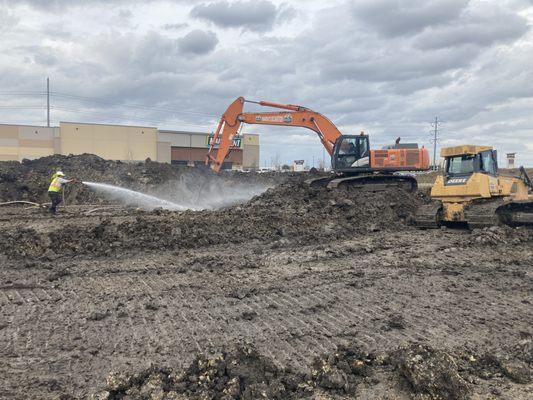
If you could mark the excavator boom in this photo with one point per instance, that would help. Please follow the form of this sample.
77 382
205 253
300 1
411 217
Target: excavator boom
299 116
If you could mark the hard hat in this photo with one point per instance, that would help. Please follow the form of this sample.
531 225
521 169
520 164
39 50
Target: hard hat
59 173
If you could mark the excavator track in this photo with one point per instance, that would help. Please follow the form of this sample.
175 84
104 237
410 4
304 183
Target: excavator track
368 183
428 216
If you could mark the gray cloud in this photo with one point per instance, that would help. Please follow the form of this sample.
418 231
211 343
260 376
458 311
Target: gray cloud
253 15
475 27
286 13
62 6
406 17
45 57
125 14
177 26
360 73
400 65
56 32
36 55
7 20
198 42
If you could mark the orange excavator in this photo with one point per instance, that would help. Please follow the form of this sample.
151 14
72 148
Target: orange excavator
352 160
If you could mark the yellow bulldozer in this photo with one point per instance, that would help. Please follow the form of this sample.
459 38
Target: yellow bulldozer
472 192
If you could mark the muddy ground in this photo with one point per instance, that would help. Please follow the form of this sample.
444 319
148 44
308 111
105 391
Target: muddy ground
298 293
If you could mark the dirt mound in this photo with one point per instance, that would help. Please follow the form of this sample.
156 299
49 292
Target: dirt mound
416 371
241 373
29 180
291 213
432 374
343 370
490 365
501 234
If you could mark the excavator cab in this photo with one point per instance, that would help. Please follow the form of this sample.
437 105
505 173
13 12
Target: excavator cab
351 151
352 155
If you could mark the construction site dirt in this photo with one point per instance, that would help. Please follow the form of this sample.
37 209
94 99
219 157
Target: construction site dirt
296 292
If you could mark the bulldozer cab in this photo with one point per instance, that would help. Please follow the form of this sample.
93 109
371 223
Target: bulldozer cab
351 152
461 163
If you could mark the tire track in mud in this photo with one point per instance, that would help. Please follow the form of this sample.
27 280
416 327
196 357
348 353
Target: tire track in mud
291 311
202 331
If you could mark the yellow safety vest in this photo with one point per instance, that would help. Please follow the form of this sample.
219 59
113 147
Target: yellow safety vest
55 185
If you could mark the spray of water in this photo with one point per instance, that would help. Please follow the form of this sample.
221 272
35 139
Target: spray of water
208 193
131 197
191 191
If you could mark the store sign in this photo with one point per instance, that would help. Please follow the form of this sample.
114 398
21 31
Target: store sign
237 142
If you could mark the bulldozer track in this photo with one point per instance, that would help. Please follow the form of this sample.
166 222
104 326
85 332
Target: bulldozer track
427 216
483 214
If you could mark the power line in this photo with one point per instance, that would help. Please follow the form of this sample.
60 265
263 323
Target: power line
95 100
20 107
22 93
129 105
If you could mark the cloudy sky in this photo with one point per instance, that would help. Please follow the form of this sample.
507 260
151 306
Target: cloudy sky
384 66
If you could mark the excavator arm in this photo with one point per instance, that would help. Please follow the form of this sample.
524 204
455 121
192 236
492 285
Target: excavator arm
293 115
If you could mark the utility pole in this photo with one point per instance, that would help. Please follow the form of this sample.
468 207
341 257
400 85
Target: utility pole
48 102
435 138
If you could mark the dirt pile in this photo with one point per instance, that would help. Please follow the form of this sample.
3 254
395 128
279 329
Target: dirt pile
241 373
417 371
501 234
491 366
29 180
291 213
432 374
343 370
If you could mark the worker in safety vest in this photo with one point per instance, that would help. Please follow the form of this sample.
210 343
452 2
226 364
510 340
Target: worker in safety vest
55 188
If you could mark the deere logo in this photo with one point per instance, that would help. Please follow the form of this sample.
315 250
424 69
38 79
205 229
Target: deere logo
457 180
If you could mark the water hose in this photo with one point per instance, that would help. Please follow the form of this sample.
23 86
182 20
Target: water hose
22 202
101 208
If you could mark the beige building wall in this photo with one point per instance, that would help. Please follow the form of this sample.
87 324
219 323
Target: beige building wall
18 142
112 142
184 139
251 154
164 150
